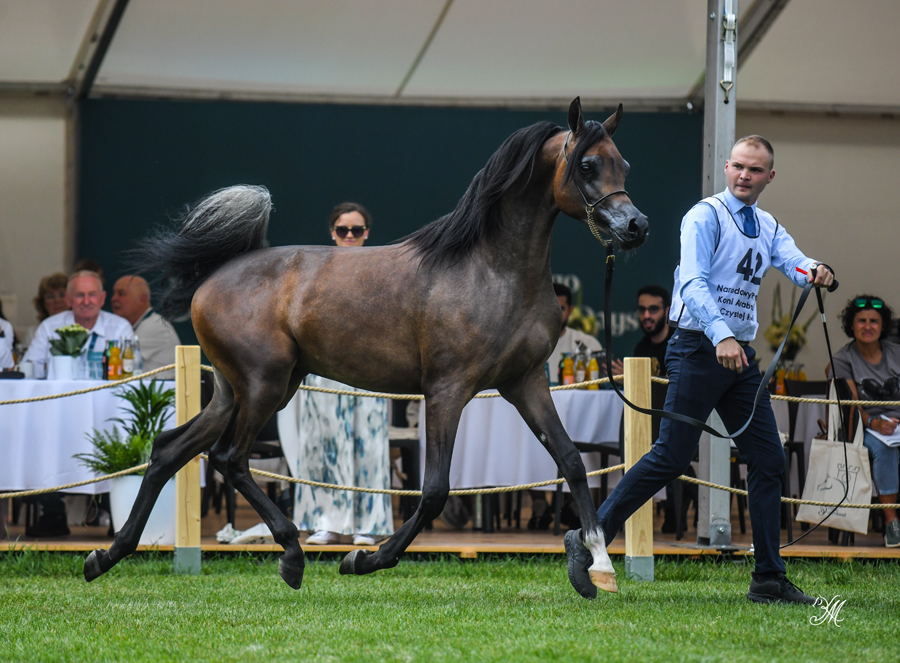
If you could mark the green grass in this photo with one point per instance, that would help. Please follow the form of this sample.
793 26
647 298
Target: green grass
434 609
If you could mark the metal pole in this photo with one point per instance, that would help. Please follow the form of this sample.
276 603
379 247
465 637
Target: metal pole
720 94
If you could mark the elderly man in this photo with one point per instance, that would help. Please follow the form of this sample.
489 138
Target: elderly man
131 300
85 296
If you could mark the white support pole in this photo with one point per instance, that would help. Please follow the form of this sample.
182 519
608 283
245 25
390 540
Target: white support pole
638 440
187 480
718 136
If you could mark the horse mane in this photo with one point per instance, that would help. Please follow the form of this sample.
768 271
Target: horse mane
452 237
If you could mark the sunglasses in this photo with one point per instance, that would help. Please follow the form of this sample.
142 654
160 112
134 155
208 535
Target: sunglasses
652 310
865 302
343 231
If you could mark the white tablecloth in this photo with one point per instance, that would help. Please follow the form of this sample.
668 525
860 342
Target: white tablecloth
494 446
38 440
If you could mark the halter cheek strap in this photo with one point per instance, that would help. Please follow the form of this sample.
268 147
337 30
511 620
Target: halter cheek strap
589 207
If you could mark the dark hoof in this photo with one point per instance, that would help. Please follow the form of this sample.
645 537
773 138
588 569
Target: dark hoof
292 574
96 564
352 565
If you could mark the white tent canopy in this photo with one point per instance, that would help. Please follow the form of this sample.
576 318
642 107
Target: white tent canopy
807 54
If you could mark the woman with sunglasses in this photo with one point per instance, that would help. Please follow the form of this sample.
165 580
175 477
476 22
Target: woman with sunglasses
340 440
871 366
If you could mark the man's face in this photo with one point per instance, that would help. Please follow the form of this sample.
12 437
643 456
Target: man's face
86 297
566 309
748 171
127 300
652 314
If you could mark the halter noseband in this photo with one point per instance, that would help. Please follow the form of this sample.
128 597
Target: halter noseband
589 207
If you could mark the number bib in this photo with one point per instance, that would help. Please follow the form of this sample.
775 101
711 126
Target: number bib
736 270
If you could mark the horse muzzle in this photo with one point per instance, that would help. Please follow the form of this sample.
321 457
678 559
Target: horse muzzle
630 229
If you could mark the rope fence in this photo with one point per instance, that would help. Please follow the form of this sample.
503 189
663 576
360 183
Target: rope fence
419 397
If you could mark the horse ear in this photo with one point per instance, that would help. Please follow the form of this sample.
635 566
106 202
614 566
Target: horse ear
613 121
576 119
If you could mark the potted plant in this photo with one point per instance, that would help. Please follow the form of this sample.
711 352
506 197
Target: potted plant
148 409
65 349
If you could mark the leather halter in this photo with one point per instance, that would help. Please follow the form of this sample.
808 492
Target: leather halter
589 207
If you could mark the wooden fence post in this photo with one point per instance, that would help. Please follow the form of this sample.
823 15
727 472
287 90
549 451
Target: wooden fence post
638 433
187 480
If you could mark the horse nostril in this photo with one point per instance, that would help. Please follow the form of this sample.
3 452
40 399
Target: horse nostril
638 226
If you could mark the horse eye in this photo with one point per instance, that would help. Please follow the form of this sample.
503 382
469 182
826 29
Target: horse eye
586 167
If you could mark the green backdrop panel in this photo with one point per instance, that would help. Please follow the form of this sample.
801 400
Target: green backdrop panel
143 161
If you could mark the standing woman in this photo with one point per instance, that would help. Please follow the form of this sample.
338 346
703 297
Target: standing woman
871 366
340 440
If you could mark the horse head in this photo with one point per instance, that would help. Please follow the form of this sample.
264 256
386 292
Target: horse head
590 180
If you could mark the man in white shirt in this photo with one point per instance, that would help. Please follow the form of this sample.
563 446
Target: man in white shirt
85 295
6 344
568 337
131 300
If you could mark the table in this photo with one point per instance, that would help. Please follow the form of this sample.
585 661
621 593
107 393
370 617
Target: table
494 446
38 440
807 428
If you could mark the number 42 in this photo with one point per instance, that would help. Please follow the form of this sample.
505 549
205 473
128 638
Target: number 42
745 267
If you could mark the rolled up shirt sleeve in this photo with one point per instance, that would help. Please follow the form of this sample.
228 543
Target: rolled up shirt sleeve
699 235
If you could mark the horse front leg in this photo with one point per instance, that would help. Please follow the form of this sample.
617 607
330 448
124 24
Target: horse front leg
442 409
531 397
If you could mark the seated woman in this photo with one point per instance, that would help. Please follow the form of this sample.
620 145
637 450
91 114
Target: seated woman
339 439
50 300
871 366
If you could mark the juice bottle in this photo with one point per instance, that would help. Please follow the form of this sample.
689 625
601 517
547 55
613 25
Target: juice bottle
105 373
593 373
127 360
801 374
559 372
779 382
115 362
580 369
568 372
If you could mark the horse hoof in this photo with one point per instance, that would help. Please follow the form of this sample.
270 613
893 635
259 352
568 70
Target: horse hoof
290 573
605 580
352 563
93 565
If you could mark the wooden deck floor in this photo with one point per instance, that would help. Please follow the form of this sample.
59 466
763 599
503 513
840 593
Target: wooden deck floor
468 543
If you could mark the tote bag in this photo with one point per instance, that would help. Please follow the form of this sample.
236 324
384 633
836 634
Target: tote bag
828 473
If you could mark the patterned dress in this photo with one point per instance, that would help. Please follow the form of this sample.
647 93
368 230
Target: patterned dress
340 440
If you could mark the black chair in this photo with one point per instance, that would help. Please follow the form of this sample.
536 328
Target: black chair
796 449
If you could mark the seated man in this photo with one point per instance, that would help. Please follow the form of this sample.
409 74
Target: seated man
131 300
568 337
85 296
7 340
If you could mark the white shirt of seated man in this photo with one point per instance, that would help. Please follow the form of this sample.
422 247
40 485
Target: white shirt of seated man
569 338
6 344
157 338
85 296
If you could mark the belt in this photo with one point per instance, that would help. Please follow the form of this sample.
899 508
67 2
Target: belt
684 330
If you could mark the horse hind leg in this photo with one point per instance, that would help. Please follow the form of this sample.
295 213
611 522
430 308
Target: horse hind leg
172 449
230 456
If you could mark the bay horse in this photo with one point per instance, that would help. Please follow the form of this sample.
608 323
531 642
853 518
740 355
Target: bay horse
463 304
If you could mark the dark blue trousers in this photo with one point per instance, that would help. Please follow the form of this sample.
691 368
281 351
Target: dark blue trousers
697 385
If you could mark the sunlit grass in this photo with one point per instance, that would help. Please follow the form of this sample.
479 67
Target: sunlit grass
434 609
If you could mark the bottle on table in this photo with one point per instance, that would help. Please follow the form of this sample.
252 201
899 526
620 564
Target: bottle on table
115 361
580 368
593 373
559 372
138 358
127 359
105 371
568 372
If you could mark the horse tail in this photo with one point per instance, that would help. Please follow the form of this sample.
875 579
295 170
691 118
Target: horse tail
223 225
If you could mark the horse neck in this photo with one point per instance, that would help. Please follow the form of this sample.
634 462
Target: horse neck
523 244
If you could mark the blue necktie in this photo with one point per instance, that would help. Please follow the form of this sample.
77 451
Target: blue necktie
749 221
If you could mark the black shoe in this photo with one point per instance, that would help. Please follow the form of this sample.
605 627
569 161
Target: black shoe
579 558
777 590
